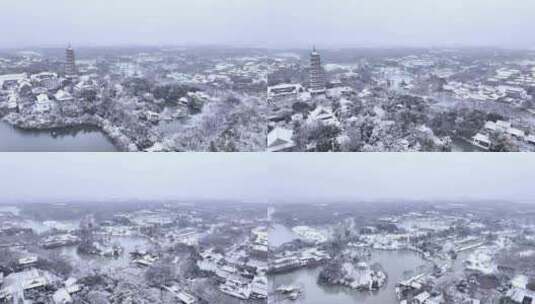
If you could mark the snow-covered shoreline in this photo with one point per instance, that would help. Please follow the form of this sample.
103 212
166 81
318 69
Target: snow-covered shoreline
42 123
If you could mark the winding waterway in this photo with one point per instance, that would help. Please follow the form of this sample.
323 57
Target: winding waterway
77 139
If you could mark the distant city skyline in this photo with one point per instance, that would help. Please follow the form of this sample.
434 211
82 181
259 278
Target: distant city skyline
269 23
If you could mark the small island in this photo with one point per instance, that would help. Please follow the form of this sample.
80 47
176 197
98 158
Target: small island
360 275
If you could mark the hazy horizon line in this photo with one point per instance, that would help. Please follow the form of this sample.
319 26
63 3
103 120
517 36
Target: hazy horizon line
326 46
268 201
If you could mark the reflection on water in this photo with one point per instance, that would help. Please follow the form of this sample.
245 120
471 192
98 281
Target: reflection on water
84 138
398 265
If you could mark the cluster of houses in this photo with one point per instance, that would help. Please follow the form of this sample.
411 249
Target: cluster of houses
478 261
281 135
486 92
59 240
310 234
481 260
240 73
49 99
521 295
416 290
507 85
42 92
240 272
10 225
483 140
181 295
292 260
240 280
287 90
144 258
259 245
515 77
31 284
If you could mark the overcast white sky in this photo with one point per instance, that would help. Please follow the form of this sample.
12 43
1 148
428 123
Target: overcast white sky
265 176
276 23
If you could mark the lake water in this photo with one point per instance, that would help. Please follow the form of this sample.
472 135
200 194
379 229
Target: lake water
86 263
280 234
78 139
461 145
399 265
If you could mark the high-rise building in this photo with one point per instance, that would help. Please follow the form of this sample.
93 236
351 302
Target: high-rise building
70 65
316 82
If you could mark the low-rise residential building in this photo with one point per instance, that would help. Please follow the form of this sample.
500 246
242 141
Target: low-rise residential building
481 141
43 103
280 140
283 91
323 115
62 296
521 296
63 96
